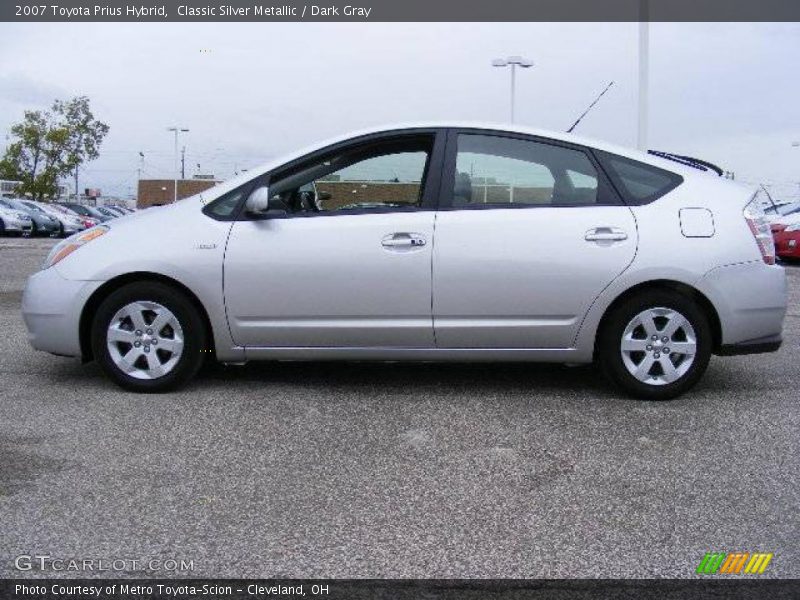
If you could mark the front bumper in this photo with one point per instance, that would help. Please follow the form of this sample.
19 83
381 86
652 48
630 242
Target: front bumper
750 299
17 225
47 226
51 309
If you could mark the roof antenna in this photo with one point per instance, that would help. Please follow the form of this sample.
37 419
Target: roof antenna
586 112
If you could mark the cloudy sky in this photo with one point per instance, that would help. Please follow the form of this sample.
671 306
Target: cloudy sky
729 93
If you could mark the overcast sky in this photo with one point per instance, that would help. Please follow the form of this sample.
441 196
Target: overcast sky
729 93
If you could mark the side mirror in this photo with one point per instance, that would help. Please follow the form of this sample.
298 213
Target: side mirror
258 200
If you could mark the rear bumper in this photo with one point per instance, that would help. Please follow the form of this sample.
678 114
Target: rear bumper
51 309
750 299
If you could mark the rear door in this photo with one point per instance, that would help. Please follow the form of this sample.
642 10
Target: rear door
529 233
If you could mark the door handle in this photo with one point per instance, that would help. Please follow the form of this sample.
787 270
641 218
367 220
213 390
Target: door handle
605 234
403 240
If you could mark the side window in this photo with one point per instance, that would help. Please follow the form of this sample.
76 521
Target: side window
503 171
386 175
638 182
224 206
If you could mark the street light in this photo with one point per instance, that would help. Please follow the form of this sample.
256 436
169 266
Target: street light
513 62
177 130
644 74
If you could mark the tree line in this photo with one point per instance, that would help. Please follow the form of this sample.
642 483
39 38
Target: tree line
48 145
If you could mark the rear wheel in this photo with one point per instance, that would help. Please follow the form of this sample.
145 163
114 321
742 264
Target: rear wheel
656 345
148 337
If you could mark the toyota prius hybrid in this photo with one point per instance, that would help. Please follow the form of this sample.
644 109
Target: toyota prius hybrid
433 242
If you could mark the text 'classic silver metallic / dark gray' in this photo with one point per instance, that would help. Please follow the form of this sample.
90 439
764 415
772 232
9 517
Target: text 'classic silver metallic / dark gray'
454 241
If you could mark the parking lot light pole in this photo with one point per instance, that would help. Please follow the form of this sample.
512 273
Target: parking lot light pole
644 74
513 62
177 130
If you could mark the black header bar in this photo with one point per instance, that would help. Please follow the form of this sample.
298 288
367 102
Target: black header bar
399 10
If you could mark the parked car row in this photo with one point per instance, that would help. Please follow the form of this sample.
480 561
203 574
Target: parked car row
20 216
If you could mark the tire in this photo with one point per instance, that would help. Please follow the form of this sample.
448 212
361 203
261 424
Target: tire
637 363
148 367
2 228
34 229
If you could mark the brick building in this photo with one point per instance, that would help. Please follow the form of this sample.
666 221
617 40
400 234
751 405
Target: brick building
155 192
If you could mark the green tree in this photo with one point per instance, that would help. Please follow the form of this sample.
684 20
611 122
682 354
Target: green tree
48 145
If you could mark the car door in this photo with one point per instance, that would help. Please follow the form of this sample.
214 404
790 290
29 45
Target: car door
345 259
529 234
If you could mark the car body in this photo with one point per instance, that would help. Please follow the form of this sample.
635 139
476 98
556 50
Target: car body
105 210
116 209
84 220
42 223
86 211
463 242
14 222
67 223
786 233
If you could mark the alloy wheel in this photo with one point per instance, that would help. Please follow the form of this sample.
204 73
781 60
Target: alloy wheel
145 340
658 346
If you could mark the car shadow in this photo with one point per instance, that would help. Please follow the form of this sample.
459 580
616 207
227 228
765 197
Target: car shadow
414 377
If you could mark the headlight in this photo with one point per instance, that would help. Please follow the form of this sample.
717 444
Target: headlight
794 227
66 247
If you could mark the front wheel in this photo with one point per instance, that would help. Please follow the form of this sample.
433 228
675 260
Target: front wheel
656 345
148 337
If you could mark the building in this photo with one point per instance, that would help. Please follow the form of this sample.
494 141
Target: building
8 189
156 192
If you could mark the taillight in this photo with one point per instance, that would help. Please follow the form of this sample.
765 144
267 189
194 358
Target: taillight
759 227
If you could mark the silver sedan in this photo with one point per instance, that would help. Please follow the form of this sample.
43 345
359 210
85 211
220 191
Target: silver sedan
427 242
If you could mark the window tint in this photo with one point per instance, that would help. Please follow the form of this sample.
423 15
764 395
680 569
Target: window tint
378 176
387 180
638 182
499 170
224 206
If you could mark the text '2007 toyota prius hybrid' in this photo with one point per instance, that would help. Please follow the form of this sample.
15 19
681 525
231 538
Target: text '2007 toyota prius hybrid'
427 242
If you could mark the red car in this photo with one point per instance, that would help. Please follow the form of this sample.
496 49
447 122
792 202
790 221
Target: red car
787 240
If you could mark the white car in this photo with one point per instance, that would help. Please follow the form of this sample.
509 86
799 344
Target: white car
427 242
14 222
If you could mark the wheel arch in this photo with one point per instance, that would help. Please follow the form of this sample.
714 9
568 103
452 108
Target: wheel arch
101 293
666 284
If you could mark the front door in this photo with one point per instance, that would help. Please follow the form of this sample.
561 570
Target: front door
346 261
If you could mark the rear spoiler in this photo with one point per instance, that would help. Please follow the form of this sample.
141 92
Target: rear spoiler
689 161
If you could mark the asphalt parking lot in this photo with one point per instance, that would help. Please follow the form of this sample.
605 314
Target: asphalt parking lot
394 470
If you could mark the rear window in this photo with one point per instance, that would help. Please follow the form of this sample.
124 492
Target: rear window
639 183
